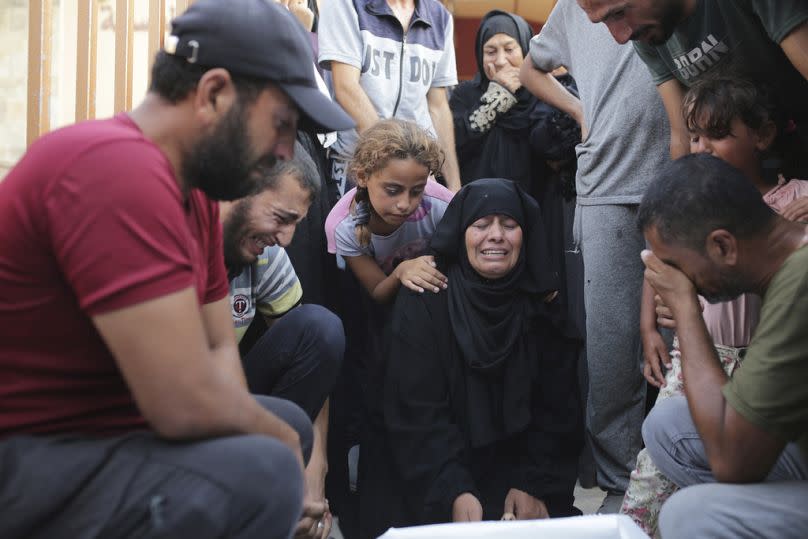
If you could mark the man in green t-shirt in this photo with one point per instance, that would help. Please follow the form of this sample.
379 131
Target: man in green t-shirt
710 233
683 40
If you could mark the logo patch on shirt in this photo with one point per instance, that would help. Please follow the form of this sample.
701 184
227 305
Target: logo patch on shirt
241 305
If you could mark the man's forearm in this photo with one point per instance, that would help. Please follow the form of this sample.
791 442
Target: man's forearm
248 416
795 46
680 144
229 357
356 103
441 116
672 93
221 339
183 378
265 422
703 376
223 407
451 169
228 407
547 88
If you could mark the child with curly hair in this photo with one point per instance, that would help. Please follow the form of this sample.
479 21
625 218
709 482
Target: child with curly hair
383 226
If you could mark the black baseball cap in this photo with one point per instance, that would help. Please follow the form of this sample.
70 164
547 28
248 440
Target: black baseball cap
259 39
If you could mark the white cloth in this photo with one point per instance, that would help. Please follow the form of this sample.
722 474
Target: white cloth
586 527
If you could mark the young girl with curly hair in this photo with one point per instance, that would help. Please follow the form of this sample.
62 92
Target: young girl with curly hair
383 226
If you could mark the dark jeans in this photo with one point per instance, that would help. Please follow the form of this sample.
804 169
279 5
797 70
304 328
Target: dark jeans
139 485
298 358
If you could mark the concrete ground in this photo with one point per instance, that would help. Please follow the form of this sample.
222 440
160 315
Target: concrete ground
588 500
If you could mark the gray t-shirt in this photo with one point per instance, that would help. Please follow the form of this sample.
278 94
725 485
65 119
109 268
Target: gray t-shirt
397 68
629 132
739 36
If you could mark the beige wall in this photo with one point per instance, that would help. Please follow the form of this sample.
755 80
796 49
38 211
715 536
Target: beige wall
14 59
14 67
13 77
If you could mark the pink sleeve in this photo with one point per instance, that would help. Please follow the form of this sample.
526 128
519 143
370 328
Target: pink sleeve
800 188
436 190
786 193
118 228
335 217
732 323
343 207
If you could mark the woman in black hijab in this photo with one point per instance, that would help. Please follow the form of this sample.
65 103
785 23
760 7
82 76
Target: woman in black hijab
481 400
501 129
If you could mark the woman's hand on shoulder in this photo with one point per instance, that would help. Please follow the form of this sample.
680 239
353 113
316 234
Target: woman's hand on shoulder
467 508
520 505
421 273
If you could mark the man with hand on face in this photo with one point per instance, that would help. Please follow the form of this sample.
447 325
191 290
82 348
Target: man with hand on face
683 41
124 408
299 356
711 233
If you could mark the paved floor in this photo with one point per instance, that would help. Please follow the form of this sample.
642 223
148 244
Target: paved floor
588 499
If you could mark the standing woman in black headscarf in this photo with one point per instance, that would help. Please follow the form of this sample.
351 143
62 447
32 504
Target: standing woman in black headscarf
501 129
480 399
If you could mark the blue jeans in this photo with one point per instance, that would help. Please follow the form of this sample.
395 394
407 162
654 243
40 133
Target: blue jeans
704 508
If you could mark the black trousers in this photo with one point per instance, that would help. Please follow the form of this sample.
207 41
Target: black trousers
139 485
298 358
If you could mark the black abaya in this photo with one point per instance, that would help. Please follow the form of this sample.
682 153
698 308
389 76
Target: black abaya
517 142
480 391
428 421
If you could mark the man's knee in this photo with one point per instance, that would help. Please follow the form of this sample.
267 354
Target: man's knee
690 513
295 416
239 486
269 495
321 339
325 332
661 425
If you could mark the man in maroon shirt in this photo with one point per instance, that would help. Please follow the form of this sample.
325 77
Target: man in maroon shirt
123 406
